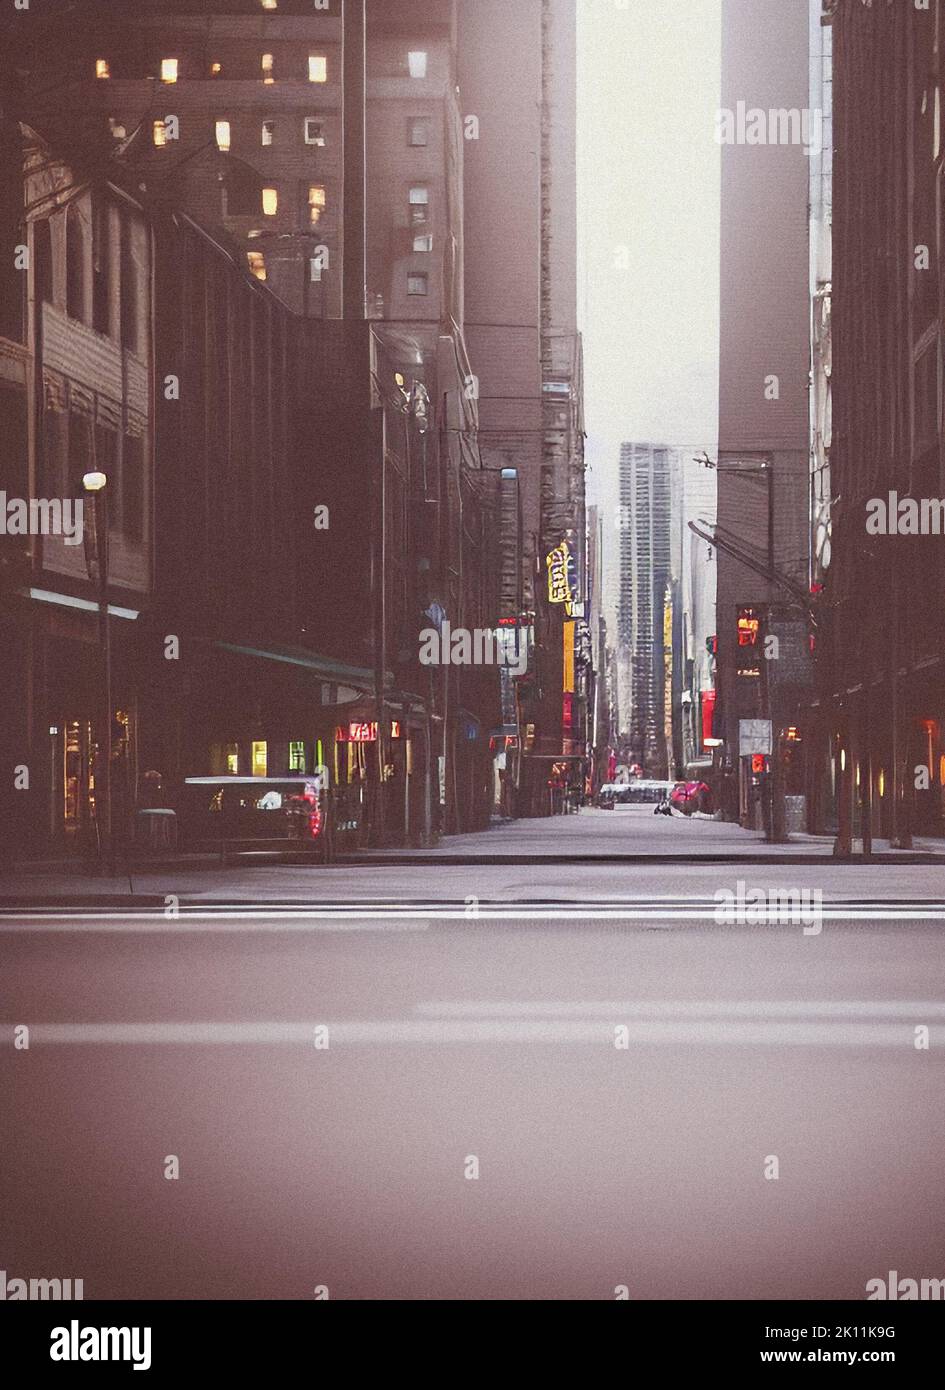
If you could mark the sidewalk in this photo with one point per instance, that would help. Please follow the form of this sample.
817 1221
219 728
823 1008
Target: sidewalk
594 839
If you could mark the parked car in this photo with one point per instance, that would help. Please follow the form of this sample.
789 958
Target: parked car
237 814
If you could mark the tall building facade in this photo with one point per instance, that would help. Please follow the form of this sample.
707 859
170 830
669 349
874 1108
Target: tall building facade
880 745
649 487
763 455
517 72
234 397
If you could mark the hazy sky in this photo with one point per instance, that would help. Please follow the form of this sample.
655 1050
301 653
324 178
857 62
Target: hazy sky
649 178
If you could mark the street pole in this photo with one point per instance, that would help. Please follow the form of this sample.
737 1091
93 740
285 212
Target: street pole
95 484
777 833
380 672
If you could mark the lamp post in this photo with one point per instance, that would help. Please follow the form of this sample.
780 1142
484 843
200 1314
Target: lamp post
96 486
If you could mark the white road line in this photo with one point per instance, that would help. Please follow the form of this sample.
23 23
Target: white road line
919 1011
397 1032
359 917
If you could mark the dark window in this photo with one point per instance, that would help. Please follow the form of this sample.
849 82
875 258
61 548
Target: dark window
101 269
42 263
12 234
80 451
75 265
132 487
418 283
129 289
55 443
419 132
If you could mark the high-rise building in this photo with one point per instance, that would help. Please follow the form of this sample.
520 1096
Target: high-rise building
517 75
649 483
764 383
880 731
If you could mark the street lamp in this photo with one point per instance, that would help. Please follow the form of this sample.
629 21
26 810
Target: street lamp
95 484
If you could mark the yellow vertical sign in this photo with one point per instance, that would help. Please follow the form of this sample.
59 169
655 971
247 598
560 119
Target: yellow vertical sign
568 683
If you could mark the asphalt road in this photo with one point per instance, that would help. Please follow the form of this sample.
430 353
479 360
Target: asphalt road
487 1082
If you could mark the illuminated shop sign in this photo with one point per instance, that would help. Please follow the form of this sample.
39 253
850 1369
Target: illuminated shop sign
363 733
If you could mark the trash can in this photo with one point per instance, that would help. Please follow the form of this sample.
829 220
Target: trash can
155 830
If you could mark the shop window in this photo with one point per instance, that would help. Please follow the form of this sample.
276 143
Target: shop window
317 67
417 63
314 131
418 283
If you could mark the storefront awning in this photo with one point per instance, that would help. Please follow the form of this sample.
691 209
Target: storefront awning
336 673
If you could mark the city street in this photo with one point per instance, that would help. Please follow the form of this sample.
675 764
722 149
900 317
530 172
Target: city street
619 1067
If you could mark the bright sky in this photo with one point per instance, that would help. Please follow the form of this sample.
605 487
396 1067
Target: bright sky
649 180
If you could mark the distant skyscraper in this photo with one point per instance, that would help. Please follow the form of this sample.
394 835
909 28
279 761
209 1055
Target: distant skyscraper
649 477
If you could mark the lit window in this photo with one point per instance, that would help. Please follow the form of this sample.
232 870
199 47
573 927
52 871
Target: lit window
268 132
423 243
257 264
317 67
159 134
223 135
418 64
168 69
316 203
268 65
297 757
260 759
314 131
270 202
269 4
232 758
116 128
216 69
419 133
418 284
101 68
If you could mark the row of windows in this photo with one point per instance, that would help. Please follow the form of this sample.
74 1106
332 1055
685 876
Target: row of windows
418 281
313 132
317 204
172 70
